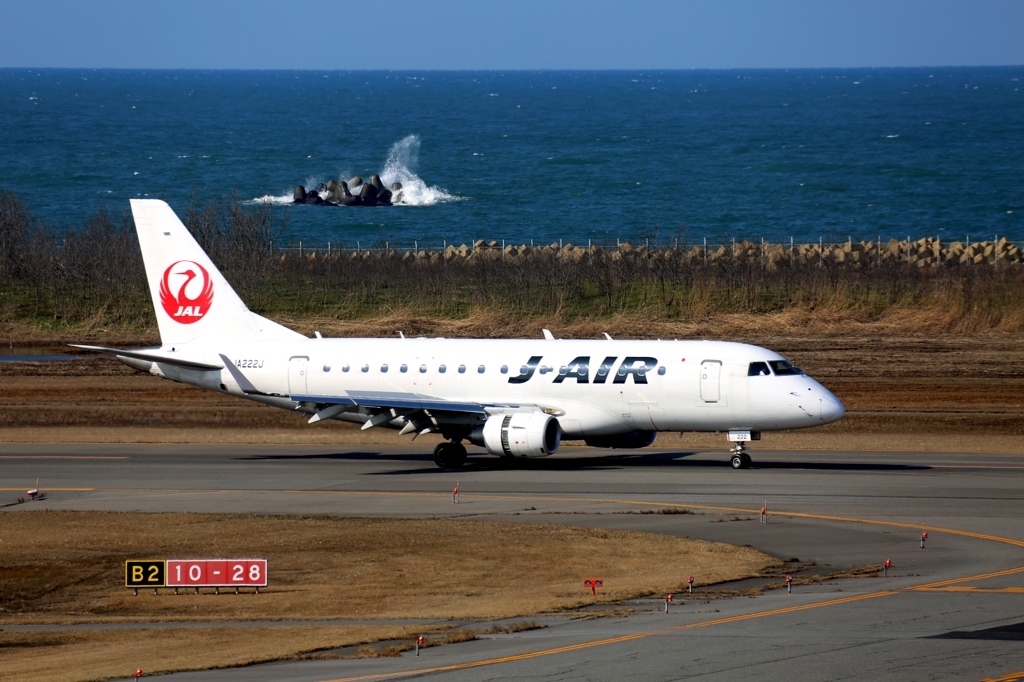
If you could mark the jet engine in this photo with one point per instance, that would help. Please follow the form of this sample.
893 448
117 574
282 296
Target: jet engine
520 434
623 441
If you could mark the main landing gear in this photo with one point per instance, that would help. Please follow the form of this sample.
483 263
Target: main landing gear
450 455
740 459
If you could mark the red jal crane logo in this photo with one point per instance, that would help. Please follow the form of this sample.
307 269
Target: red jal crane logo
182 277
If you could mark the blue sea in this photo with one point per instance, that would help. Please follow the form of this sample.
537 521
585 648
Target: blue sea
536 156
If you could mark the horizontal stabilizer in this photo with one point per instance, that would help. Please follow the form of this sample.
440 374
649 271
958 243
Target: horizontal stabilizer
151 355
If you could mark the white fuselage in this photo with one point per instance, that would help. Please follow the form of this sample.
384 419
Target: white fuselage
594 388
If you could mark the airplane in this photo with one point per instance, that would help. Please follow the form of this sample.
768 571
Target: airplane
516 398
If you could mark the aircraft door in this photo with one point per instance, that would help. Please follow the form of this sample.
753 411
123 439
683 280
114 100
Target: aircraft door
710 378
297 375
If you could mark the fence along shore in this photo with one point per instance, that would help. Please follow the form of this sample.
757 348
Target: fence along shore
925 252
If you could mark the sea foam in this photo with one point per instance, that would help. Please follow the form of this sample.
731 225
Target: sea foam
400 167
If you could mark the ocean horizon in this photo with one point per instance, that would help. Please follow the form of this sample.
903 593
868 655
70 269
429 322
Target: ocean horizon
527 156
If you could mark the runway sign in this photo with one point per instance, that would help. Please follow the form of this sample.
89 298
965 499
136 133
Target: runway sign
196 573
144 573
216 573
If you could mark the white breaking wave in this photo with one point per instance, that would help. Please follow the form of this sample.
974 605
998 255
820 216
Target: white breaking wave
400 167
271 199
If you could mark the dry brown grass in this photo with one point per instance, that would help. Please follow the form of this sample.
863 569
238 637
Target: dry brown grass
937 315
68 567
75 656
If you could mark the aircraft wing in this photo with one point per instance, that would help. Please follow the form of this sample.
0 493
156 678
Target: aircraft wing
393 399
399 401
386 406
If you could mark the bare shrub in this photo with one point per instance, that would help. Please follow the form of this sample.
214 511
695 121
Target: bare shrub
94 275
14 236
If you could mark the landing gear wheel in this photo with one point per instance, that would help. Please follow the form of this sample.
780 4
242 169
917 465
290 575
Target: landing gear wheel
450 455
740 460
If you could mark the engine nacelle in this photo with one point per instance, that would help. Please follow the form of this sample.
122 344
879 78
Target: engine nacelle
624 441
520 434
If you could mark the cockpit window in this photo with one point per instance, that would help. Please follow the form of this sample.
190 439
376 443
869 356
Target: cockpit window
784 368
758 369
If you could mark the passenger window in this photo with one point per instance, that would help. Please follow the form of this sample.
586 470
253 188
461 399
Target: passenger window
661 371
327 368
404 368
423 369
462 369
504 369
758 369
384 368
480 369
783 368
442 369
344 368
365 368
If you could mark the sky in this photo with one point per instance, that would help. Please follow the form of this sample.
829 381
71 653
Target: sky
510 34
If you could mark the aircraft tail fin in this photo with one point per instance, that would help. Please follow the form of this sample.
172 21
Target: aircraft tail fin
191 297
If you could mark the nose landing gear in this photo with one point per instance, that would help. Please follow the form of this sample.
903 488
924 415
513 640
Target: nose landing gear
740 459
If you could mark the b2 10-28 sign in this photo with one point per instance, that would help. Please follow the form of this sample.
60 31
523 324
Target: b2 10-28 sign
196 573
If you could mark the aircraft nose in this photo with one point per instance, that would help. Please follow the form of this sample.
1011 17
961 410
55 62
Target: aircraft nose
831 408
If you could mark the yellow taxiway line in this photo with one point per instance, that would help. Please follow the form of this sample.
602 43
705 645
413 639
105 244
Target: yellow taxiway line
64 457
